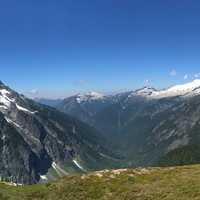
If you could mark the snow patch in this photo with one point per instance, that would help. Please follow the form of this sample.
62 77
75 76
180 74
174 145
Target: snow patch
12 122
5 102
3 107
184 90
54 165
3 137
4 99
24 109
179 90
146 91
78 165
44 177
88 97
59 170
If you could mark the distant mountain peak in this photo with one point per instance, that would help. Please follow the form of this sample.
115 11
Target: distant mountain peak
94 94
143 92
147 90
191 88
89 96
187 89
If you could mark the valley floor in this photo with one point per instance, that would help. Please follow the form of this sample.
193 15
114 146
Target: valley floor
174 183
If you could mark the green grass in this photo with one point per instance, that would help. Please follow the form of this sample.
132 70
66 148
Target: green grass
175 183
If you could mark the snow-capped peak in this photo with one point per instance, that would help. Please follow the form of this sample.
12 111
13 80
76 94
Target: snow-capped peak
95 95
190 88
186 90
145 91
8 100
89 96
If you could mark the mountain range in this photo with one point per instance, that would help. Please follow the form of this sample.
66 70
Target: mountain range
143 125
93 131
39 143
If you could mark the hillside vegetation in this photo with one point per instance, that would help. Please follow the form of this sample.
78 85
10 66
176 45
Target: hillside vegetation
172 183
186 155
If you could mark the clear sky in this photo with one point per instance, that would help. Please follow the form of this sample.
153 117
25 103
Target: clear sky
65 46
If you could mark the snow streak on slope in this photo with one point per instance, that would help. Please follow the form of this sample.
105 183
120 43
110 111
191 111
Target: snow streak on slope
59 170
24 109
12 122
78 165
44 177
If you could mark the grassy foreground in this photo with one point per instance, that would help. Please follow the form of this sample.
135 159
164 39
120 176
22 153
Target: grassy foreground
175 183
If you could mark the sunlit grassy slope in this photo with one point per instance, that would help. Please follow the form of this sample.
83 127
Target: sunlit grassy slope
175 183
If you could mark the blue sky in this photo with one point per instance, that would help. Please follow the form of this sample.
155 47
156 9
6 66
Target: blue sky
66 46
